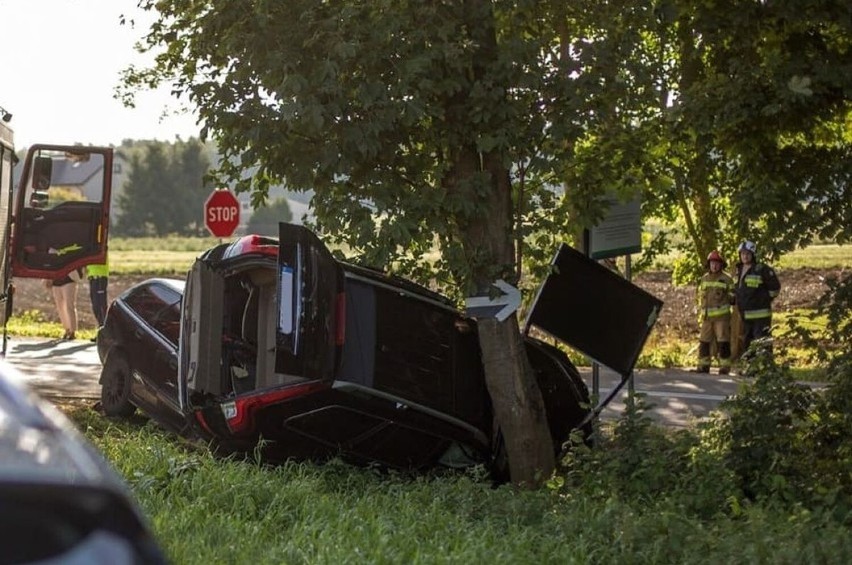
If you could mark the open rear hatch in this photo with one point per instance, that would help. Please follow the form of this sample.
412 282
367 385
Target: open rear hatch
290 326
311 308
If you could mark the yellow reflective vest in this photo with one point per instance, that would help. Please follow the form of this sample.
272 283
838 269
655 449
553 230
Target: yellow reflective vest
715 293
95 271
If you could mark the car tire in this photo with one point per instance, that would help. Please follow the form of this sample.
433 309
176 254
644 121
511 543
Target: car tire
115 387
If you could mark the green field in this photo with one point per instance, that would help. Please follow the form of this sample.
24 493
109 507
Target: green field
829 256
174 255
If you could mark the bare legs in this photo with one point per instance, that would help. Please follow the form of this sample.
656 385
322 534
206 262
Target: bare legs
65 297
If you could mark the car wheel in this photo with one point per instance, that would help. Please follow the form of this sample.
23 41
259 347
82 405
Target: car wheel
115 387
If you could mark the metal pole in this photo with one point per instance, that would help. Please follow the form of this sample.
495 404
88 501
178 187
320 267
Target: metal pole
630 386
596 371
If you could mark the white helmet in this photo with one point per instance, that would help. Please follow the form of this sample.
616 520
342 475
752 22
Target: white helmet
748 246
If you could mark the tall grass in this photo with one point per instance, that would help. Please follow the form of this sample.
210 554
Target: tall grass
205 510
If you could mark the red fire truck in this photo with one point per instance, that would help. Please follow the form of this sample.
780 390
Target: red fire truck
55 219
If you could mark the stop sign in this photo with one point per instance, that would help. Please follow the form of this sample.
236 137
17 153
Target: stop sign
221 213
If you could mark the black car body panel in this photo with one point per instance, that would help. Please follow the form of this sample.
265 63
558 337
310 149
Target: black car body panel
141 334
60 501
616 315
321 358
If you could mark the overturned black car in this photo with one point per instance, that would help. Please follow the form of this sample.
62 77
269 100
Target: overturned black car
276 339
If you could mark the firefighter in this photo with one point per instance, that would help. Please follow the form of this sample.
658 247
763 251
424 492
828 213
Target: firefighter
715 295
98 276
756 287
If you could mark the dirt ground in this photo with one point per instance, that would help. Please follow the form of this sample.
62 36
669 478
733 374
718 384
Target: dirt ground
800 288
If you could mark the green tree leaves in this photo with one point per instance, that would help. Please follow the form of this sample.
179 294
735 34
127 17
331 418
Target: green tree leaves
165 190
264 221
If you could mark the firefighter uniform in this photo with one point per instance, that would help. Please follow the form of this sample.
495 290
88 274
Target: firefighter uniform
715 294
756 287
98 276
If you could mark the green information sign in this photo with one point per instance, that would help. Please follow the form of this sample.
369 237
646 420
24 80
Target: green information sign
619 233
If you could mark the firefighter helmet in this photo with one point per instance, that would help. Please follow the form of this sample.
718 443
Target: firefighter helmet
715 256
748 246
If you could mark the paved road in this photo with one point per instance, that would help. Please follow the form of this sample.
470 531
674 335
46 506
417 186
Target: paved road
678 397
57 368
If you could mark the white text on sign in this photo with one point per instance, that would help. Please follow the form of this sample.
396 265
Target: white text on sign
224 214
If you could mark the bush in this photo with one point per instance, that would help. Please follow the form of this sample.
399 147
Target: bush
776 443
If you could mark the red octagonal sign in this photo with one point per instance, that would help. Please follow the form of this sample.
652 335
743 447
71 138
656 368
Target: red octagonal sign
221 213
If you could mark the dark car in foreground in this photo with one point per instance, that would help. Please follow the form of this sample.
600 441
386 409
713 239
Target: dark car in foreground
60 502
274 339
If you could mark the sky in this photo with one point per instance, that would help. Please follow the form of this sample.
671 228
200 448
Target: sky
61 62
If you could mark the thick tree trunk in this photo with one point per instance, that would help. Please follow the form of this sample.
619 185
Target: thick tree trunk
515 395
518 404
486 233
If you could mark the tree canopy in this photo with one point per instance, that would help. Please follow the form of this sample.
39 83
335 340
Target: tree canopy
492 129
165 189
264 221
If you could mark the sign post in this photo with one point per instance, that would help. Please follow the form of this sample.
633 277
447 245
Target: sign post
619 233
221 213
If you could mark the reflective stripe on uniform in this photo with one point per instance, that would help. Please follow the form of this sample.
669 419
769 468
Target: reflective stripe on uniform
715 284
753 281
757 314
95 271
718 311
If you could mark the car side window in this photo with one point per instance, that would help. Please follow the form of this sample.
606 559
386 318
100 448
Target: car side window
160 307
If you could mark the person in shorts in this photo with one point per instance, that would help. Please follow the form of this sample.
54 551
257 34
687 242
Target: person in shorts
64 290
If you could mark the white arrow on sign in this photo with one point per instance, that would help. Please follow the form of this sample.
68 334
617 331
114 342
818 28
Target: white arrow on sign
500 307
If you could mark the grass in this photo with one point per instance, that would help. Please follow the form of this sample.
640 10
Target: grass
32 323
164 256
205 510
827 256
171 255
151 262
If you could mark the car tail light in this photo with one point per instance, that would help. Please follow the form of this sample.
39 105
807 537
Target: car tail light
239 412
340 319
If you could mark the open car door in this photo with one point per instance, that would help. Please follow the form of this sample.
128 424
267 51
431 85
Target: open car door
594 310
309 330
61 215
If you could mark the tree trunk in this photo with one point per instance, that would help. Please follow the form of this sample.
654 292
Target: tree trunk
486 233
518 404
515 395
